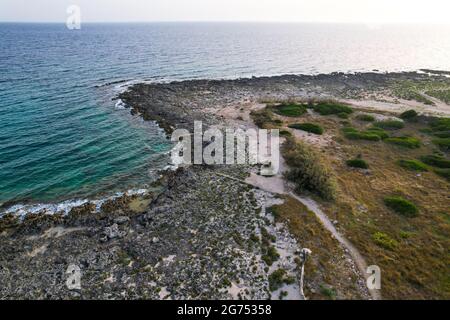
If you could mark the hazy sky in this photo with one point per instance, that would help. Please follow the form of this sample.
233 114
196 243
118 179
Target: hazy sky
365 11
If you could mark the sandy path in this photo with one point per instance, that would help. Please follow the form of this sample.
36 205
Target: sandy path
276 185
355 254
439 109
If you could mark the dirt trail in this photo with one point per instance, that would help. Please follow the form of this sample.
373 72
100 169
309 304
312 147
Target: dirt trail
439 109
268 184
277 184
355 254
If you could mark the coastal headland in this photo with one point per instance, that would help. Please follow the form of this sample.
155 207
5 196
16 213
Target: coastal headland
225 232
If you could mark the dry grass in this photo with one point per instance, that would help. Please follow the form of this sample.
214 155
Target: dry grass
418 266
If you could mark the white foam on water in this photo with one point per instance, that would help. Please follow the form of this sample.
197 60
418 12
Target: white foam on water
22 210
120 105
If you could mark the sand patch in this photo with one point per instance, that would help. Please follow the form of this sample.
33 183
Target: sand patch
38 250
139 205
55 232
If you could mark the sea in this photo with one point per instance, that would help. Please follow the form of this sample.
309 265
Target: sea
64 138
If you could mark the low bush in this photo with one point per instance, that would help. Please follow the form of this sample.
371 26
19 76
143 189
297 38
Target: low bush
307 170
365 117
343 115
440 125
442 143
264 119
390 124
325 108
407 142
442 134
436 161
378 131
271 255
371 134
328 292
308 127
278 278
349 130
443 172
409 115
401 206
413 165
362 136
353 134
357 163
384 241
290 110
405 234
285 133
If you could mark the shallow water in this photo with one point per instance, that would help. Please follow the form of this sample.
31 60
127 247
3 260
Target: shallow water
61 135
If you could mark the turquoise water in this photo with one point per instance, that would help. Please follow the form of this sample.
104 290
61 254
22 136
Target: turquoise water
61 136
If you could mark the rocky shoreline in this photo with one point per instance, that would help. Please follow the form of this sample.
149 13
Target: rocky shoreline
198 235
178 104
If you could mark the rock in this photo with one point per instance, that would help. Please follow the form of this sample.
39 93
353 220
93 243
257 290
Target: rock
112 232
121 219
155 240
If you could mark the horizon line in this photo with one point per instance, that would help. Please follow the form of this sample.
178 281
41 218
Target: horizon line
235 21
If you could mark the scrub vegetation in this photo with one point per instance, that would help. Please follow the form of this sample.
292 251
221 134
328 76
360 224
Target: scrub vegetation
397 212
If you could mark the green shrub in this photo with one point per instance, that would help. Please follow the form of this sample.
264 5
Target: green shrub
443 172
365 117
371 134
308 127
290 110
436 161
343 115
325 108
349 130
440 128
270 256
357 163
401 206
356 135
440 124
442 143
384 241
378 131
328 292
405 234
285 133
413 165
442 134
277 279
307 170
407 142
390 124
409 115
264 119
